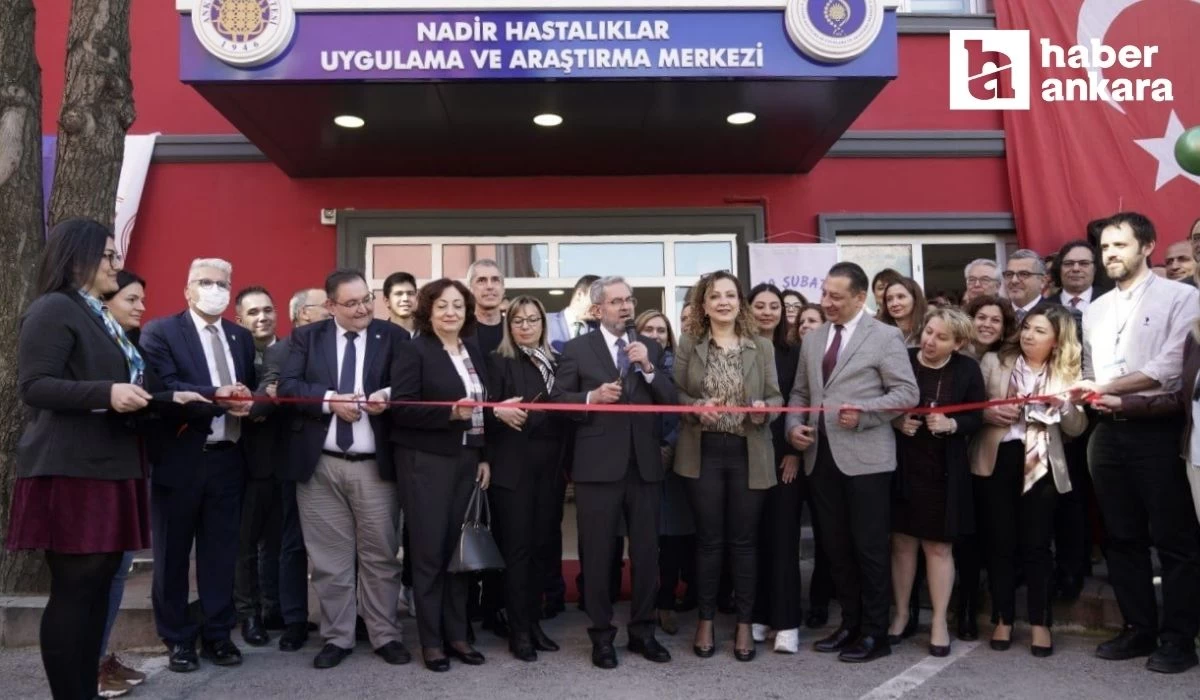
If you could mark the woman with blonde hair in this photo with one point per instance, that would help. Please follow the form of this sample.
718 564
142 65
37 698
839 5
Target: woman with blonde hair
934 504
728 458
1019 455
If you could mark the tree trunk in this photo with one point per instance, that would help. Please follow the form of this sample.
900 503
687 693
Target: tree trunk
21 239
97 110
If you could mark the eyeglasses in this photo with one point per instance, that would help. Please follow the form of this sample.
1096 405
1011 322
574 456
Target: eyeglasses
355 304
113 257
980 280
1081 264
793 307
209 284
529 322
627 301
1024 275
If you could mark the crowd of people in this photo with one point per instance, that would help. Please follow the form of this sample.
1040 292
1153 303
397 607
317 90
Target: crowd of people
931 441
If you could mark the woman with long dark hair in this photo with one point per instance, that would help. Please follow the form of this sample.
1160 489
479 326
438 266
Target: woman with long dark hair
526 453
727 457
777 603
80 493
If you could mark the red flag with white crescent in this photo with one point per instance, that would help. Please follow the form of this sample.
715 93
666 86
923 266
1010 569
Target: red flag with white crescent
1070 162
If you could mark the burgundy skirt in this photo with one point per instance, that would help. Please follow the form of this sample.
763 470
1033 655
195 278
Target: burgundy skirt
79 516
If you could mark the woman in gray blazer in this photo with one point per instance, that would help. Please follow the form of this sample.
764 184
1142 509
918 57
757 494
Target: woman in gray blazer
728 458
1019 456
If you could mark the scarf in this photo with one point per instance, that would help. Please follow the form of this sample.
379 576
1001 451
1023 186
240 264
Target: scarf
544 364
475 392
1037 438
133 358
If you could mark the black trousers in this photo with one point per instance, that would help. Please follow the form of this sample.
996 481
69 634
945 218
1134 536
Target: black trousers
293 559
1072 524
599 507
1018 527
436 490
726 511
524 519
855 515
207 513
554 585
73 622
820 583
1145 499
256 579
970 551
777 604
676 563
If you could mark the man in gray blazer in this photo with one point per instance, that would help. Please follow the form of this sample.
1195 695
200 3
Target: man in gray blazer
858 369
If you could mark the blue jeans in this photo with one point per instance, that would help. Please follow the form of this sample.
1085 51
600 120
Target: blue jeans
115 593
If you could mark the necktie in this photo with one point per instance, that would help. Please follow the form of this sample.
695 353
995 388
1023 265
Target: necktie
1020 315
224 376
577 329
345 430
622 358
831 355
1074 302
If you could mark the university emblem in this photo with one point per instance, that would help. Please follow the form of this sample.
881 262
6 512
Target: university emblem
833 31
244 32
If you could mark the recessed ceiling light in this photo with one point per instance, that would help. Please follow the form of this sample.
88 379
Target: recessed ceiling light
547 119
349 121
739 118
556 292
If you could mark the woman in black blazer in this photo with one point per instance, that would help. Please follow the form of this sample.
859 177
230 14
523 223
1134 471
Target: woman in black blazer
439 457
525 450
934 502
79 493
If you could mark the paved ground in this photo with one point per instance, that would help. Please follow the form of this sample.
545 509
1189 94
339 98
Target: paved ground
973 671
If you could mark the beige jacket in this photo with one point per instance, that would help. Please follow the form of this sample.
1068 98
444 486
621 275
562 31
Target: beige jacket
996 376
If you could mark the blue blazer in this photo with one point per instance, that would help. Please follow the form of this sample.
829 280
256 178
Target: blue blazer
173 349
559 332
311 370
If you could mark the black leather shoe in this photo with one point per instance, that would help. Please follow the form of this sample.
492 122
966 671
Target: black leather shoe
183 658
837 641
497 622
470 657
1171 658
522 648
1130 644
817 618
394 653
604 655
540 641
294 637
649 648
866 649
274 621
439 664
254 632
331 655
221 652
1000 644
939 651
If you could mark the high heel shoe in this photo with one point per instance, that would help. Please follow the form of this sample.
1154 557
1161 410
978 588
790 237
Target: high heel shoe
935 650
1041 652
1001 644
744 654
706 652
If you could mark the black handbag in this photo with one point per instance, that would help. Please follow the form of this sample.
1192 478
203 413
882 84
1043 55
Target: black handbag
476 550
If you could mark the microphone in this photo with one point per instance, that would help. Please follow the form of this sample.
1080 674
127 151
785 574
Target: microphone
630 331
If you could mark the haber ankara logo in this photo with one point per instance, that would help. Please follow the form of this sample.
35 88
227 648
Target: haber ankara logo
989 69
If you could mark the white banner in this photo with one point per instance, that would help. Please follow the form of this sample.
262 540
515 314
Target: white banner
135 166
798 266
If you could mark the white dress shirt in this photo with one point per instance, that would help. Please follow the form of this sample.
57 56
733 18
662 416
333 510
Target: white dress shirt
1141 329
847 330
219 432
364 436
1085 299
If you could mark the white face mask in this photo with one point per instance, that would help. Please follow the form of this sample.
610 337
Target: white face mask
213 301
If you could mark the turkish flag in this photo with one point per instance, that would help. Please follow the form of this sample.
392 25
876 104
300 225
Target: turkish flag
1072 162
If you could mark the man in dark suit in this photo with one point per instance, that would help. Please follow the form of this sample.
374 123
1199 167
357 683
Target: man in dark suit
341 459
307 306
617 464
196 484
1024 278
256 582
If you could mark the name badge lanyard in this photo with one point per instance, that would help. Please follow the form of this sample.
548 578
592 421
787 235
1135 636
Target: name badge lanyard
1134 304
